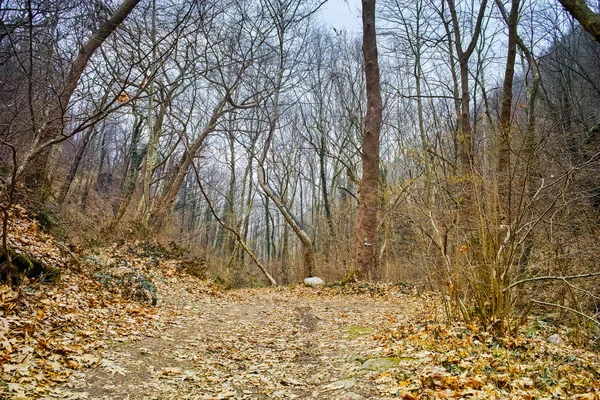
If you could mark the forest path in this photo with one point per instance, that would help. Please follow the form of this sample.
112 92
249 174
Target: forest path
251 344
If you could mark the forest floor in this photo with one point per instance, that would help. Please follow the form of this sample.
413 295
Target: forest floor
81 339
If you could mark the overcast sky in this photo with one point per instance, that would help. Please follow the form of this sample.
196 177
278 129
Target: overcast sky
342 15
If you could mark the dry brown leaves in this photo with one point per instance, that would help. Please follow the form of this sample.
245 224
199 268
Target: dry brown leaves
78 339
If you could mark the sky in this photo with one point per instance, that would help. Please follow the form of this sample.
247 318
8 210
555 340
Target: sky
343 15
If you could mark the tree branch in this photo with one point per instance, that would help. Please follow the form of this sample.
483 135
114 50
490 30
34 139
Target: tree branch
551 278
595 321
589 20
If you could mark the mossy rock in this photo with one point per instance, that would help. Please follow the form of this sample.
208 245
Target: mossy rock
25 265
47 219
130 282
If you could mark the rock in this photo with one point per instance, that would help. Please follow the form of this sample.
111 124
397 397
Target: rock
554 339
380 364
314 281
26 266
130 282
343 384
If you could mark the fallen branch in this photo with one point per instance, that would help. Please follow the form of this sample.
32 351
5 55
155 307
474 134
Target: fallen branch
551 278
595 321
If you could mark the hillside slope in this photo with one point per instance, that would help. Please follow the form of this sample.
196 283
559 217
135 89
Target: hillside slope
96 334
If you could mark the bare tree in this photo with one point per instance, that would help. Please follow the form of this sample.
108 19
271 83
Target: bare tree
52 131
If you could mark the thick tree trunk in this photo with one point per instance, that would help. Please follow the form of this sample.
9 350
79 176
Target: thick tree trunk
154 129
504 144
509 72
466 168
464 135
135 156
589 20
366 227
151 158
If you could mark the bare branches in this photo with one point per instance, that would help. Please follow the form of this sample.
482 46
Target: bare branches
543 303
226 226
551 278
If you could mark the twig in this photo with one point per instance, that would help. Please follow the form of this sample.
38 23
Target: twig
70 253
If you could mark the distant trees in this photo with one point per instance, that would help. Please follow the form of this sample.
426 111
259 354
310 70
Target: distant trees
43 125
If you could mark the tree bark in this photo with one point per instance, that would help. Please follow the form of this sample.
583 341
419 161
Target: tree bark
151 158
463 55
504 144
135 156
366 228
589 20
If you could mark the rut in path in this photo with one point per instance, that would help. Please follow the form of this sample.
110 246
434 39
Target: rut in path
249 344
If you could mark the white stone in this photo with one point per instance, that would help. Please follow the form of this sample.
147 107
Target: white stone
554 339
314 281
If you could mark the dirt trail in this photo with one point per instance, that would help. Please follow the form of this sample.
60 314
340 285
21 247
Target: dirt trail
248 344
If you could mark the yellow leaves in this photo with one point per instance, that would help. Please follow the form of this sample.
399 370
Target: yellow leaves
123 97
112 367
408 396
86 360
253 339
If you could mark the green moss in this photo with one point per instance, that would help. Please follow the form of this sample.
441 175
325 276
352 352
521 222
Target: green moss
25 265
47 219
21 261
358 331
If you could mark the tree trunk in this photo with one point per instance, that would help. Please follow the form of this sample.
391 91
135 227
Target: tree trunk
366 227
307 246
78 156
589 20
463 55
154 130
504 144
136 156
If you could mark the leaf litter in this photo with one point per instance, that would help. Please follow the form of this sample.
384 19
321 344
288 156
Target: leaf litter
82 338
